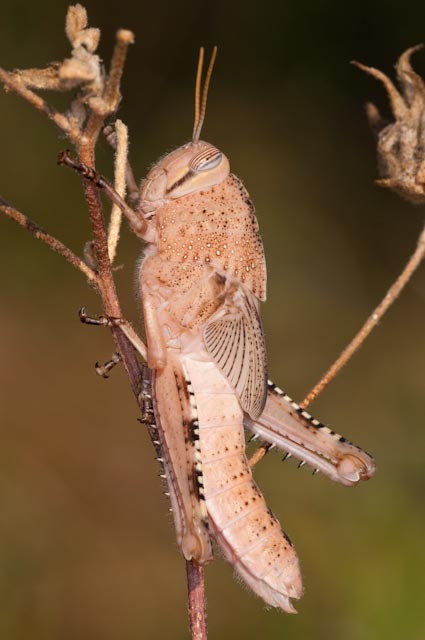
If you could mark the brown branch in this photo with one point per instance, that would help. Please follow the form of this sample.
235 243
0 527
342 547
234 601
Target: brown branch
107 285
372 321
112 92
196 593
53 243
258 455
137 222
101 107
12 83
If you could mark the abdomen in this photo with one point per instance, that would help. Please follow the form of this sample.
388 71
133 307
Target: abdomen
239 519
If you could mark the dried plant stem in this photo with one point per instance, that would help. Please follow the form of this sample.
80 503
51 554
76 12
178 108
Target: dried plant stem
53 243
196 591
107 288
133 189
112 95
372 321
11 82
258 455
120 185
103 107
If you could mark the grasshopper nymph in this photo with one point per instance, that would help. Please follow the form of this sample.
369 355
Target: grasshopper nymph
201 282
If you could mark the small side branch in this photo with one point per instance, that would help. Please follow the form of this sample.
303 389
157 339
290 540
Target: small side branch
12 82
110 134
121 162
103 106
53 243
372 321
136 221
258 455
112 95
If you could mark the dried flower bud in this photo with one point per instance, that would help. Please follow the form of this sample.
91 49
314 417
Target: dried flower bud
401 144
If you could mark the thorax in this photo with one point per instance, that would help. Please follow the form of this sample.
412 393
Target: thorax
216 229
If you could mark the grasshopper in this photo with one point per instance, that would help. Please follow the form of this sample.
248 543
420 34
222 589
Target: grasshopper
201 281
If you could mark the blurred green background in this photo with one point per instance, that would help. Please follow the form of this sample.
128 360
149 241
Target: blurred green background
87 548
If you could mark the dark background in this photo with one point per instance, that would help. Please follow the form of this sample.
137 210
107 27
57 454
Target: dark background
87 548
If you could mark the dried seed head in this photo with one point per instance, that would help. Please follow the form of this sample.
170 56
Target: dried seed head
401 144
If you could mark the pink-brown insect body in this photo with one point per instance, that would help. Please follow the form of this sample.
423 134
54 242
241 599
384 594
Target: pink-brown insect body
216 228
203 275
201 281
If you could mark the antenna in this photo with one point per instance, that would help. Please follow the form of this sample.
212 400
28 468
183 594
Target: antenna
201 102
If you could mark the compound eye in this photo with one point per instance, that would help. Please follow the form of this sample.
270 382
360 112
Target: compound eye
206 160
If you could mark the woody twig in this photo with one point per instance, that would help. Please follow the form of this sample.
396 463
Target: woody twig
55 244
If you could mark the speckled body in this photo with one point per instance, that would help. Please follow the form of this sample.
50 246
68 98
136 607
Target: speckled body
204 259
205 242
202 279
